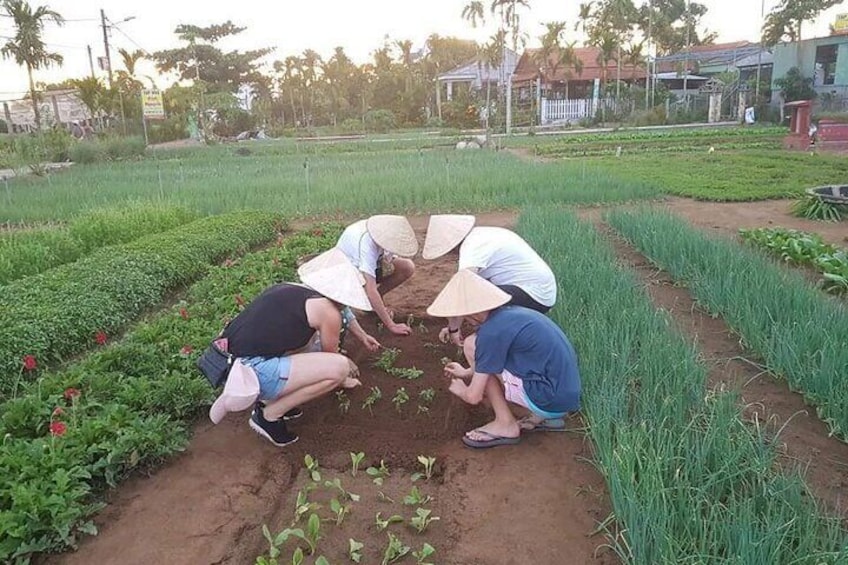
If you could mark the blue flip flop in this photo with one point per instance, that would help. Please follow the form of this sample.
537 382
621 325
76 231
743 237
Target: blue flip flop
493 441
550 425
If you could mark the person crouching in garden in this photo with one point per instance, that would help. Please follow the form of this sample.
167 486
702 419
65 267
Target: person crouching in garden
516 356
381 247
289 338
499 255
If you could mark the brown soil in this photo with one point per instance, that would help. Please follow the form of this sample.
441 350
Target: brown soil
803 441
531 503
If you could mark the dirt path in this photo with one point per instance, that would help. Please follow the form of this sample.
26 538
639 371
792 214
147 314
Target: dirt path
804 440
532 503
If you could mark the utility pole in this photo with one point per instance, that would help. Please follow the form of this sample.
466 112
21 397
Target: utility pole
760 54
90 61
648 59
686 60
106 44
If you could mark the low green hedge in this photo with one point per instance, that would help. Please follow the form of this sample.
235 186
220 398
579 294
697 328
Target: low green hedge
123 407
30 251
59 313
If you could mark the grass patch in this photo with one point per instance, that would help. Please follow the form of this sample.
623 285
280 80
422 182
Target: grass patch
322 180
689 482
801 335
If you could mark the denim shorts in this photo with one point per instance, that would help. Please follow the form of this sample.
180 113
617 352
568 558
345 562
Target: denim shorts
272 372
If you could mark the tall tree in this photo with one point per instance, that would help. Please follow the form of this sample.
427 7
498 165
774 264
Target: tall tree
674 25
201 59
784 21
555 53
27 47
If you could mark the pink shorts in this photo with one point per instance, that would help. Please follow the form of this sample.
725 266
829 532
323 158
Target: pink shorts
514 389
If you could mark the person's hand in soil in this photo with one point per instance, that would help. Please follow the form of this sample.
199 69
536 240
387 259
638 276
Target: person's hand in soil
352 379
456 371
370 343
399 329
446 335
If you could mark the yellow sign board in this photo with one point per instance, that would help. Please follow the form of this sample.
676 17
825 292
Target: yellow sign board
151 102
841 23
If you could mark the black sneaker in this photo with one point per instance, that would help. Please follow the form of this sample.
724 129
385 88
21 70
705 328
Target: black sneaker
292 414
274 431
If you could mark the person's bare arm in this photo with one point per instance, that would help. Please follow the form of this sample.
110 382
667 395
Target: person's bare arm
370 343
380 307
471 393
326 319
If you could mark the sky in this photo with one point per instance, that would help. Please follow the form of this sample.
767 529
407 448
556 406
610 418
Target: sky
290 26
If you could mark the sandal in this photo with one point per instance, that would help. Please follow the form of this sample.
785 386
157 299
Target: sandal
491 441
529 424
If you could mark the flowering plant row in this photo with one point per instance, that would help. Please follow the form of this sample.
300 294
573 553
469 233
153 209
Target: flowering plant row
66 310
126 406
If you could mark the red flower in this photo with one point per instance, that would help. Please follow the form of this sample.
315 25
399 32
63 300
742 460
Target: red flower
71 393
29 363
58 411
318 232
186 350
58 429
100 338
184 313
239 300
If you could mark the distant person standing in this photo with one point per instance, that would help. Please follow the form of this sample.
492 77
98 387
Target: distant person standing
498 255
381 248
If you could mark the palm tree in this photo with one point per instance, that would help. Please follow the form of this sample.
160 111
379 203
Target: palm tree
473 12
27 47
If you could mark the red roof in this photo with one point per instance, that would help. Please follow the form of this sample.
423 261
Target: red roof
529 68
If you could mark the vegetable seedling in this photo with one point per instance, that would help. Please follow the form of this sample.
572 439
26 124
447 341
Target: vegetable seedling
400 398
378 473
383 524
321 560
312 466
384 498
356 459
428 463
313 532
387 358
344 401
425 398
372 398
354 550
302 506
337 484
275 542
426 551
339 510
422 519
415 498
394 550
297 557
408 373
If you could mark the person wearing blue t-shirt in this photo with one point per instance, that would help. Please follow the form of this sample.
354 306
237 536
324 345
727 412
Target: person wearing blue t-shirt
516 356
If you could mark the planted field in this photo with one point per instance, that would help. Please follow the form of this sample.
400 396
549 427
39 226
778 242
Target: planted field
29 250
320 181
799 333
669 448
62 312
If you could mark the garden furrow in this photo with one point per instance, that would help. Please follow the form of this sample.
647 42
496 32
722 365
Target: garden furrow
803 441
800 334
60 313
124 407
689 481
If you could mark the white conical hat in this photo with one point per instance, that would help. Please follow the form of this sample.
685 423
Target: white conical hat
465 294
333 275
445 232
394 234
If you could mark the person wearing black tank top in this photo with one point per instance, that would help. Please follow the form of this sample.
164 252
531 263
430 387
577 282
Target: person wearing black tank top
289 336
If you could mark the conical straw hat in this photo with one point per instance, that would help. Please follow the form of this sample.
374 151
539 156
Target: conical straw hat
394 234
445 232
465 294
333 275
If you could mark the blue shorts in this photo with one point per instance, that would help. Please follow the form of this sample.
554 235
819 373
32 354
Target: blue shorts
272 372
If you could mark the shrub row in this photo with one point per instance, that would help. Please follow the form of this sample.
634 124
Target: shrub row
126 406
107 149
59 313
26 252
688 481
800 334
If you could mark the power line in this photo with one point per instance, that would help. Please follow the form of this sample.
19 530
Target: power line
72 20
133 41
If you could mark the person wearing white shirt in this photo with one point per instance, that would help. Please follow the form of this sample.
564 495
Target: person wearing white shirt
381 248
498 255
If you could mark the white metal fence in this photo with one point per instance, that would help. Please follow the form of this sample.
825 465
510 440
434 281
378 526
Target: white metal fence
560 111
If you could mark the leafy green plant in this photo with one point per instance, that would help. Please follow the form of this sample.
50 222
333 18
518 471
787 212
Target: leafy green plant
378 474
382 524
409 373
422 519
423 554
339 510
395 550
354 551
275 542
336 484
356 459
814 208
387 359
313 532
372 399
343 400
322 560
303 506
400 398
428 463
415 498
312 467
425 399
